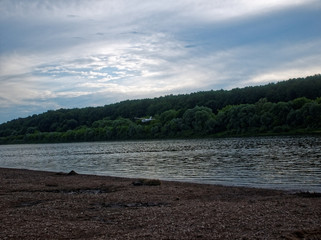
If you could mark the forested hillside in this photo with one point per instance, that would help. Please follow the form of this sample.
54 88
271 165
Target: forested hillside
284 107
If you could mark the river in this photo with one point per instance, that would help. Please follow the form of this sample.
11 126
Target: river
288 163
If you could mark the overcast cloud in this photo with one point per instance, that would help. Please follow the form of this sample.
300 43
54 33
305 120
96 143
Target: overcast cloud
65 54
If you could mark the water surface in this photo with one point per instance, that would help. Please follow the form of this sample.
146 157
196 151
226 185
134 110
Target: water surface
291 163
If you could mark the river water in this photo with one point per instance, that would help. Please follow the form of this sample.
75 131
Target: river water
289 163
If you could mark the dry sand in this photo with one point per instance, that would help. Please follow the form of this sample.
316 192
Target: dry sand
47 205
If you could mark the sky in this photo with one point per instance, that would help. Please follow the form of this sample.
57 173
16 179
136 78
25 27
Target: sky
80 53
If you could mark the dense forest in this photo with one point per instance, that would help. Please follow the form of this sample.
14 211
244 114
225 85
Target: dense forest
292 106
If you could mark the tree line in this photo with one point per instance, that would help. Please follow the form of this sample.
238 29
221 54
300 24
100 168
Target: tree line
284 107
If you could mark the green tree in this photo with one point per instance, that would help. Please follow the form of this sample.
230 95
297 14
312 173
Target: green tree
168 116
197 118
299 102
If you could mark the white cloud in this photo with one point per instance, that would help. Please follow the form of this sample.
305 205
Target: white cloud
15 91
288 71
297 60
16 64
133 11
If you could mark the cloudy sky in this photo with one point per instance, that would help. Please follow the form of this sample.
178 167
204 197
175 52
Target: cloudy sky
78 53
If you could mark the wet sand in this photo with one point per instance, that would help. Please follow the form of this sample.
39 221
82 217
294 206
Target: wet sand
48 205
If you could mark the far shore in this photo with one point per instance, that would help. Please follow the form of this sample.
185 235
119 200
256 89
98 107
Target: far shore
50 205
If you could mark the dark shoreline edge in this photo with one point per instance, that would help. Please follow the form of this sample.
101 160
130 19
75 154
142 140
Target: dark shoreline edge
187 183
222 135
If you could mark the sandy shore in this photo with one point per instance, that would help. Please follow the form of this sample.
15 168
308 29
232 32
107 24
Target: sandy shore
47 205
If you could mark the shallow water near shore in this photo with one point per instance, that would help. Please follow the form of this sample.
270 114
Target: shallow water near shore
288 163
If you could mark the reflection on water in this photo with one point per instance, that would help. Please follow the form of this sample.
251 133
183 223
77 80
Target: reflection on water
271 162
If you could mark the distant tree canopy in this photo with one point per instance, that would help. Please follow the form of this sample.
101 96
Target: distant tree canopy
284 107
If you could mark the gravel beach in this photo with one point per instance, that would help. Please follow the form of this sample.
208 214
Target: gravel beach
49 205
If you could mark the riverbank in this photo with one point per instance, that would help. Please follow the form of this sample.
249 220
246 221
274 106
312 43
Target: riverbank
48 205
